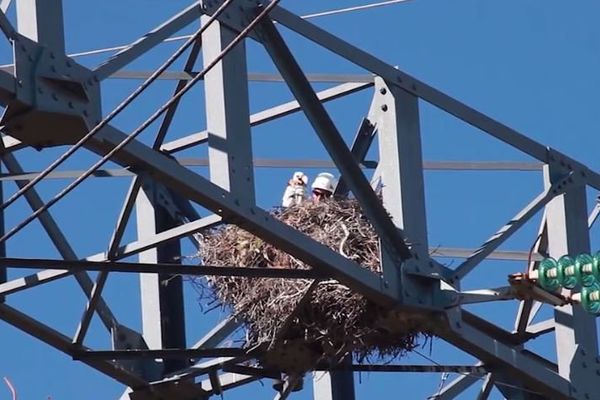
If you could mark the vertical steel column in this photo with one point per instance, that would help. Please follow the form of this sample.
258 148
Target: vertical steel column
576 336
395 112
401 162
228 114
161 294
334 385
3 270
42 21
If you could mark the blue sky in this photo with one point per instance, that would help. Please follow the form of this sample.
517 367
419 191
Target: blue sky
530 64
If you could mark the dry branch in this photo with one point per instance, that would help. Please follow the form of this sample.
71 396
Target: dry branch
334 321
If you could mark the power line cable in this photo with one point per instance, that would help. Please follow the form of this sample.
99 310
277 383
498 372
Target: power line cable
117 109
307 16
144 125
481 378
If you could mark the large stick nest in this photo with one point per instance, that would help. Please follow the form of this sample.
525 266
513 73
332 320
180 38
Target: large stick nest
301 322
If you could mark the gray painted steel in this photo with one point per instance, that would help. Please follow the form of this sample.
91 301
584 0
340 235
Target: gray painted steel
67 99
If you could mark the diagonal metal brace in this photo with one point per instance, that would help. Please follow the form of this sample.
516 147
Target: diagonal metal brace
331 139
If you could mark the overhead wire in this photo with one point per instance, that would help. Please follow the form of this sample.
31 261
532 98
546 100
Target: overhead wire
306 16
154 77
145 124
117 110
481 378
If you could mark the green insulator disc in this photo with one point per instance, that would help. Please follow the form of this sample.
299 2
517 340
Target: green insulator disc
585 266
566 267
549 275
596 266
590 299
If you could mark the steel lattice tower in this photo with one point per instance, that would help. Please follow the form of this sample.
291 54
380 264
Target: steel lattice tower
51 100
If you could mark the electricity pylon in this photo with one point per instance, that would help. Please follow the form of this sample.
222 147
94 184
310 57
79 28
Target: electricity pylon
52 100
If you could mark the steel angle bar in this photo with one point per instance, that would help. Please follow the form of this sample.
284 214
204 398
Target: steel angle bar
528 308
59 240
8 85
360 146
227 116
460 369
4 4
178 232
158 141
160 353
482 166
485 295
257 162
486 387
6 27
409 83
133 248
594 214
228 381
456 387
514 360
267 115
123 217
502 255
61 342
148 41
172 109
575 330
507 230
200 190
101 173
219 333
90 307
82 141
288 386
459 385
117 147
39 278
523 314
166 268
540 328
3 270
252 76
331 139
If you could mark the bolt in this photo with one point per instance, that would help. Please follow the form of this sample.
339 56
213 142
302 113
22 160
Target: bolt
457 324
383 90
85 112
386 284
68 63
384 107
52 56
54 96
584 364
70 104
